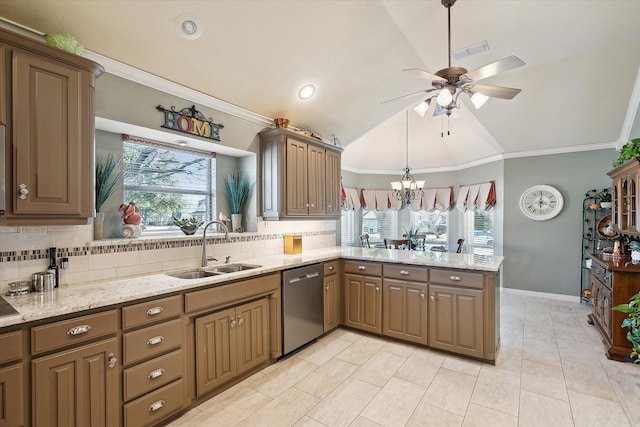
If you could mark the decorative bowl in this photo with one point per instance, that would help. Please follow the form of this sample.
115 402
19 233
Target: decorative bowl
189 229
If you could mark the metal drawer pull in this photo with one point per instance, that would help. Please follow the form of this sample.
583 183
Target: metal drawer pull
155 374
361 267
157 405
404 272
112 360
455 278
78 330
155 340
154 310
331 267
23 191
240 320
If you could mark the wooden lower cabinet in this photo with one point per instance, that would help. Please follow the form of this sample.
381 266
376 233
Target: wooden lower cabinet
11 396
230 342
78 387
404 311
363 302
332 296
456 320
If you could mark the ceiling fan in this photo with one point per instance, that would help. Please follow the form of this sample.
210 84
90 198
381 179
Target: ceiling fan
452 81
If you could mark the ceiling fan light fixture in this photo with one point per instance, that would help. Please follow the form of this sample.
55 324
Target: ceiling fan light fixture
421 109
478 99
444 97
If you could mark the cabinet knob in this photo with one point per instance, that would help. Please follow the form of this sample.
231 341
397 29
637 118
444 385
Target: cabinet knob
326 288
331 268
233 323
23 191
155 340
432 298
79 330
112 361
421 295
240 320
156 405
154 311
377 288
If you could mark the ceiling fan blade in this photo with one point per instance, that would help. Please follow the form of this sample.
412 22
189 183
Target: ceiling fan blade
504 64
496 91
409 95
424 75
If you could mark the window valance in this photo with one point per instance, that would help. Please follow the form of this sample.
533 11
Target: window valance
433 198
476 197
350 199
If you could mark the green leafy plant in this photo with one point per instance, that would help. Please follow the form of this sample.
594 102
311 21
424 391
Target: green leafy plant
237 187
107 177
605 197
411 233
628 151
187 222
633 323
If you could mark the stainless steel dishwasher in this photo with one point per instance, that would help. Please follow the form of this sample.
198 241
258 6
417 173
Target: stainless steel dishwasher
302 306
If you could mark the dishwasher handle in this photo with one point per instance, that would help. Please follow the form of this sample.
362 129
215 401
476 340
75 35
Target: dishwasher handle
304 277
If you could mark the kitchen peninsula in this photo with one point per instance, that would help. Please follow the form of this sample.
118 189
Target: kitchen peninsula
159 337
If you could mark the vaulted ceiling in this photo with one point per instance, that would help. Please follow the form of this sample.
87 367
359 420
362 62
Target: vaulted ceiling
581 58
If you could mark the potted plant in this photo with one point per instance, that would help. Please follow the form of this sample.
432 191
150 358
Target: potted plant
108 178
633 323
412 234
188 225
237 187
630 150
605 200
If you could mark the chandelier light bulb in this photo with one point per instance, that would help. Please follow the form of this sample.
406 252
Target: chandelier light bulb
396 185
444 97
422 108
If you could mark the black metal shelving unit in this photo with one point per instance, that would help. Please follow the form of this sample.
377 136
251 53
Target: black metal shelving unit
591 242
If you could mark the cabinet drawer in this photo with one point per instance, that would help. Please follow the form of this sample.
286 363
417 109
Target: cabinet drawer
151 341
11 345
152 374
364 268
73 331
403 272
153 407
601 274
330 267
457 278
151 311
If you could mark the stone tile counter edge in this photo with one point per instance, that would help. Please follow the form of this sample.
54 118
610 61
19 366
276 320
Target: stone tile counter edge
76 298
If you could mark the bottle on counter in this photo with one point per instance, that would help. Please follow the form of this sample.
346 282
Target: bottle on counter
53 267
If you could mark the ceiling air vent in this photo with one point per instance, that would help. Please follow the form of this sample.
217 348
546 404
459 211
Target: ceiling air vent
474 49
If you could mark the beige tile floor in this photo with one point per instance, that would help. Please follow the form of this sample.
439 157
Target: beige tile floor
551 371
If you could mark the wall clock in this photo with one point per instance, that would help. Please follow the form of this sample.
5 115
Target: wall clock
541 202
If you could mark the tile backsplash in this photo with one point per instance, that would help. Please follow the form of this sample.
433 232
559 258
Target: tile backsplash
24 252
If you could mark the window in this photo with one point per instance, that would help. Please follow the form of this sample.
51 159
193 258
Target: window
347 228
166 181
434 224
380 225
478 232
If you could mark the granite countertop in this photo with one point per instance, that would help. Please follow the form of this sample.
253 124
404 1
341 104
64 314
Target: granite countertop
75 298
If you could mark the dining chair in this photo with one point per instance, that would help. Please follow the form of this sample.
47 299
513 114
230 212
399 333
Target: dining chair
364 241
460 243
397 243
420 241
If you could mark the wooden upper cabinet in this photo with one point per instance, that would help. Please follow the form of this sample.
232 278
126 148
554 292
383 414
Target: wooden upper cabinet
46 99
626 205
300 176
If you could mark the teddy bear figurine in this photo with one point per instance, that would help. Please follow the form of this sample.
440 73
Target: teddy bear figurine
130 213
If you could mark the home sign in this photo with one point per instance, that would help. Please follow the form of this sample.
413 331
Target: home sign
190 121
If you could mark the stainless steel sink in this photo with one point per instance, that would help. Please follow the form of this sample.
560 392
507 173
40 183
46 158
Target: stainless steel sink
214 271
193 274
232 268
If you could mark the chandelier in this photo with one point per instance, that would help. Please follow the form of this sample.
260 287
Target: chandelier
407 189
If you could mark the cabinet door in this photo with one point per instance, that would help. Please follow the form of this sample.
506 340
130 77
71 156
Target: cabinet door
331 302
11 396
332 179
296 182
363 302
53 154
79 387
456 320
317 173
605 311
404 311
252 334
215 350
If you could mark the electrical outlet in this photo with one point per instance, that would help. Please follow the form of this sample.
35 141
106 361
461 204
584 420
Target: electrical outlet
34 229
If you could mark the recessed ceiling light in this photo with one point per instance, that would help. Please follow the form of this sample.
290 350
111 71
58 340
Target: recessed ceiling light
306 91
188 26
182 143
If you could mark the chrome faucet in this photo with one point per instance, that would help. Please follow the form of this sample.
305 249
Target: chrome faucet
205 260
